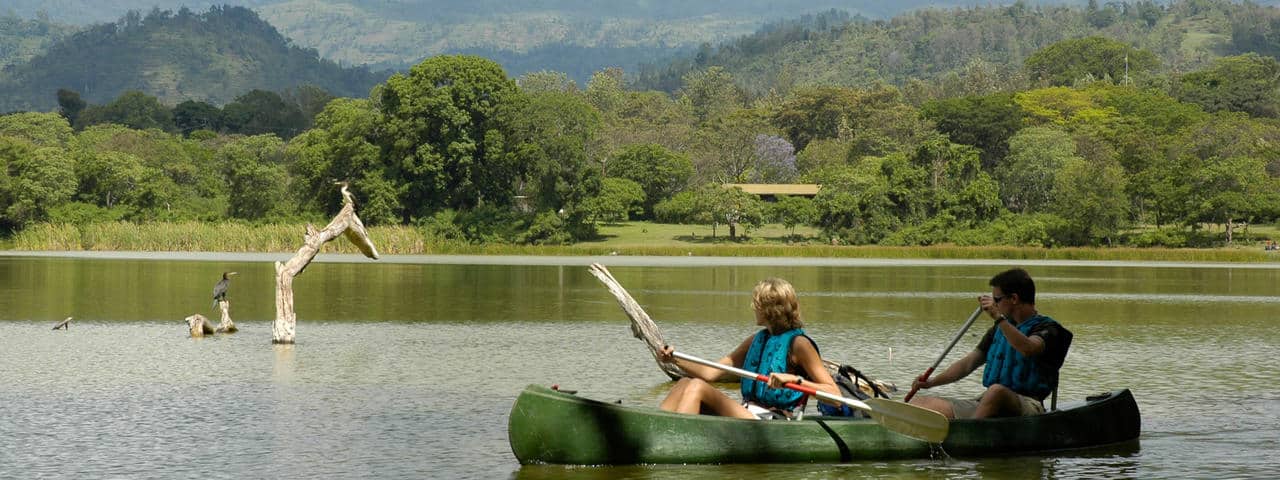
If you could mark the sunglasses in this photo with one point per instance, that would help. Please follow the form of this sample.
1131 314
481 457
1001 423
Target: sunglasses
995 299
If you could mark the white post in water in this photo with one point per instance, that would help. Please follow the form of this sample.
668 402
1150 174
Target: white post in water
226 325
344 223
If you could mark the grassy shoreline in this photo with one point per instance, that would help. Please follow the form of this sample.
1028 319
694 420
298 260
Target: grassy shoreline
635 238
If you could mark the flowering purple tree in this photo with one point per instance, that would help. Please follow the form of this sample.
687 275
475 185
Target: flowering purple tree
775 160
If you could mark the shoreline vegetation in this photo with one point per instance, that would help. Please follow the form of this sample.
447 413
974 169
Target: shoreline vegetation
628 239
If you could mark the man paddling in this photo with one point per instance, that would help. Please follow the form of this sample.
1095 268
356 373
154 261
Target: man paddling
1022 352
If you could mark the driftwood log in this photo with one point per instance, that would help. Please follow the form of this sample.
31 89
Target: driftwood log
226 325
645 329
65 324
642 326
199 325
344 223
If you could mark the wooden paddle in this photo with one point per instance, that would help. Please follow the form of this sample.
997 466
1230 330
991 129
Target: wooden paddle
925 376
909 420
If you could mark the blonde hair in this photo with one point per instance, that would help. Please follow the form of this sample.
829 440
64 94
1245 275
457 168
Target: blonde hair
775 298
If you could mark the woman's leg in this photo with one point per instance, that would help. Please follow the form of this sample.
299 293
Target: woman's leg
937 404
690 395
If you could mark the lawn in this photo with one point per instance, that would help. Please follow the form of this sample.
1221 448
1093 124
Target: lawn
647 234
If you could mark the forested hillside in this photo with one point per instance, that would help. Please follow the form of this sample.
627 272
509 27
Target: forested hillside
22 39
213 56
830 49
572 36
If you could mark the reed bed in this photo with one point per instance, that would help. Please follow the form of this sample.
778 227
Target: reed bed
402 240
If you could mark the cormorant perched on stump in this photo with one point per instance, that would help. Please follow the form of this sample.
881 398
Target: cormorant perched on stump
220 290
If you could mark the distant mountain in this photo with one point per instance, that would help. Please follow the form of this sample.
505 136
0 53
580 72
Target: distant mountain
988 43
523 35
213 56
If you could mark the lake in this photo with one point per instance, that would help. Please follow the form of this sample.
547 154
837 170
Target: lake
406 367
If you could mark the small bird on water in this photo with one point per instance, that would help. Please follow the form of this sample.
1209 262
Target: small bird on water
220 290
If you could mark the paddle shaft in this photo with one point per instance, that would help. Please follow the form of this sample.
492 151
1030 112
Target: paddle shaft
954 340
758 377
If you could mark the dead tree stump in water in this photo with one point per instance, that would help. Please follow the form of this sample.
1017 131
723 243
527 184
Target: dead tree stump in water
641 325
65 324
226 325
344 223
199 326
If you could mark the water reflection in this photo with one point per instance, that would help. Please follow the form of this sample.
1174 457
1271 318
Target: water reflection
409 370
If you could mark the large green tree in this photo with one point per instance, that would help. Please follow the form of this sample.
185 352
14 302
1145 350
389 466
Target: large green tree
548 134
986 122
1090 196
35 179
259 111
442 137
343 146
659 172
1026 177
256 180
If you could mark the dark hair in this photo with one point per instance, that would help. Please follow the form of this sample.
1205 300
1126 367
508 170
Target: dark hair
1017 281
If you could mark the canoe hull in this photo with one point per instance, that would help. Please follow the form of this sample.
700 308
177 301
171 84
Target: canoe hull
547 426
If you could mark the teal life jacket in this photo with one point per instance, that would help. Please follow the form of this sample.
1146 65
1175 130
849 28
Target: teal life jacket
768 354
1009 367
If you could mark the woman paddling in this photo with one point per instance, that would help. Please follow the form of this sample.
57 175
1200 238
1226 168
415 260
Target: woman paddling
781 350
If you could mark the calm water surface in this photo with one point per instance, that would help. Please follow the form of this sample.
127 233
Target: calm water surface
409 370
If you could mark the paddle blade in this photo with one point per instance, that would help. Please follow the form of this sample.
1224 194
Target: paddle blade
909 420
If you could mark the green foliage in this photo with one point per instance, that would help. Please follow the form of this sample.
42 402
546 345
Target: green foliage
544 81
1246 83
854 204
548 138
260 111
70 104
791 211
1090 197
1067 61
820 154
816 113
81 213
192 115
659 172
132 109
41 129
713 205
442 136
38 179
727 150
710 94
986 122
343 146
547 229
443 226
1026 176
619 198
255 176
491 224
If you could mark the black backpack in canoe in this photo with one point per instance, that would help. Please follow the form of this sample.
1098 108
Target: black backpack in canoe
853 384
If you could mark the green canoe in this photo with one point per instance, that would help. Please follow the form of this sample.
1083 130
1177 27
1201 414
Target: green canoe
548 426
